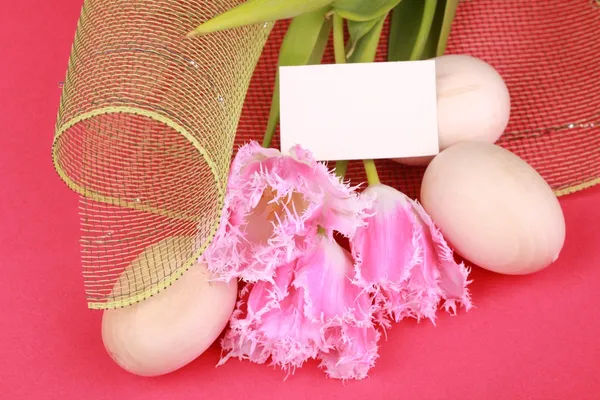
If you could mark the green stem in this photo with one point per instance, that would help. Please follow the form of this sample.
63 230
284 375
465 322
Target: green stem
338 39
424 30
273 116
341 167
371 170
449 14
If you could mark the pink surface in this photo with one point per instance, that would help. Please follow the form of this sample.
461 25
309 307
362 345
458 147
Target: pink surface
534 337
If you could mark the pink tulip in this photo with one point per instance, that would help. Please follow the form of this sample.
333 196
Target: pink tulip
404 261
274 204
310 310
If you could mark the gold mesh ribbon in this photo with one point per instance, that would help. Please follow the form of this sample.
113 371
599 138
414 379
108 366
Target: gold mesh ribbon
145 135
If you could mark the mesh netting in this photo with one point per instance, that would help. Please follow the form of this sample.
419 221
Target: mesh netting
147 120
145 134
548 52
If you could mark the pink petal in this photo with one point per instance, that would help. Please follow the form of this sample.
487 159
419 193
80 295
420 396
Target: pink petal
272 326
388 245
325 273
353 353
453 277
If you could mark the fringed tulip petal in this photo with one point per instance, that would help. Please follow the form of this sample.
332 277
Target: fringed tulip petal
353 353
452 277
271 325
325 273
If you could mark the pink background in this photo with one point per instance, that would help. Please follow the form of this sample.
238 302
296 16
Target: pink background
534 337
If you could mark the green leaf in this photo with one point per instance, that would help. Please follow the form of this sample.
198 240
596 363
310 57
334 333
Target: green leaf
366 48
357 30
257 11
410 29
363 10
317 54
304 43
431 46
449 14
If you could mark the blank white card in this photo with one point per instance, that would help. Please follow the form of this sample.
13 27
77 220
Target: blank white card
360 111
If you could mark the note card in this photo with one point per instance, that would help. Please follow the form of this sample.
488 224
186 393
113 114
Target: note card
360 111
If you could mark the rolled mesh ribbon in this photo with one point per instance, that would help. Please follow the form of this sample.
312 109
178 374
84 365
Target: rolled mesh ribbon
145 134
548 54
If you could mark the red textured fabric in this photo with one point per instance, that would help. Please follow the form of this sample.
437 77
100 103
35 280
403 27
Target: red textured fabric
547 52
533 337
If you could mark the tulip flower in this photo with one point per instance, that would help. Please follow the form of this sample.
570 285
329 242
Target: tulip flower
274 204
404 261
311 310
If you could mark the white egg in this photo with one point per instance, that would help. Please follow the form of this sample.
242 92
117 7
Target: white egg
494 208
473 103
169 330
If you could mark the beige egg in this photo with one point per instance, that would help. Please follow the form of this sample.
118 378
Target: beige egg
169 330
473 103
494 208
